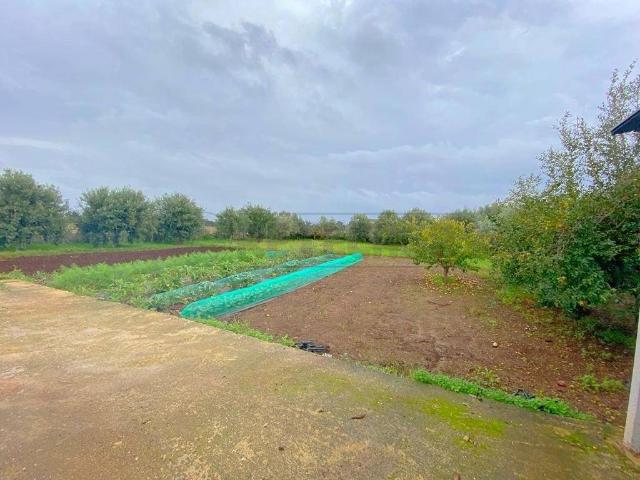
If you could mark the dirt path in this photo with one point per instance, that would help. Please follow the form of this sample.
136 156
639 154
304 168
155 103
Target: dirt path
99 390
382 312
49 263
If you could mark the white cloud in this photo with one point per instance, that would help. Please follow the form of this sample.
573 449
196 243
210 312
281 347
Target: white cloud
37 144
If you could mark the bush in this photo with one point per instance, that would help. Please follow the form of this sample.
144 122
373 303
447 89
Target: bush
177 218
29 211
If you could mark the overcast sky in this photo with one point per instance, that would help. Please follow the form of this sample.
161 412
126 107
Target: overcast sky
309 106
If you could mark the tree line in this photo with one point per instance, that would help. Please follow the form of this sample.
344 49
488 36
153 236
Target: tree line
257 222
31 212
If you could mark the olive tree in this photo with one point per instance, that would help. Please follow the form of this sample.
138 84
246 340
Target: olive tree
109 216
177 218
328 228
389 229
29 210
260 222
359 228
228 223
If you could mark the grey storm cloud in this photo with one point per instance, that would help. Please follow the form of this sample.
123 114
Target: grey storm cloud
301 105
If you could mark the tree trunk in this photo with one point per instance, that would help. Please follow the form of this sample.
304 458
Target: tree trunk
446 273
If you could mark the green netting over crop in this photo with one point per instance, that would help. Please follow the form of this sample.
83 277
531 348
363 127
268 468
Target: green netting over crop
242 298
189 293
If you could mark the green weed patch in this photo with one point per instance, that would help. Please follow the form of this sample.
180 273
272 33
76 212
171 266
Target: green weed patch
544 404
245 329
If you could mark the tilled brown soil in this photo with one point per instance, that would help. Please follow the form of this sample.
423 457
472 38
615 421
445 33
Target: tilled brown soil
49 263
383 312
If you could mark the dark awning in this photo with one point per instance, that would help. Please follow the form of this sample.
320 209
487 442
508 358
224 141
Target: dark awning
631 124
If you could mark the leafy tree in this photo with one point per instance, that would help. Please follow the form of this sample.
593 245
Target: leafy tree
289 225
389 229
359 229
464 215
328 228
571 234
178 218
29 210
260 221
109 216
134 212
416 218
487 216
446 243
228 223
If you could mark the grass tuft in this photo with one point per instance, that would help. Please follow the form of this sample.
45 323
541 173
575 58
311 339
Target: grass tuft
245 329
460 385
589 383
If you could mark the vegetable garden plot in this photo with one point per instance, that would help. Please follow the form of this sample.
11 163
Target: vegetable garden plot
199 290
242 298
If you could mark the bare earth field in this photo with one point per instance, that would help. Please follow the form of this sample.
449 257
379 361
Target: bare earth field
383 312
49 263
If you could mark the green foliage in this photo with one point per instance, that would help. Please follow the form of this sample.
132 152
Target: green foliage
245 329
328 228
446 243
177 218
111 216
417 218
252 221
135 282
486 377
486 218
14 275
615 336
590 383
571 236
260 222
544 404
389 229
313 246
465 216
200 290
29 211
359 228
228 224
290 225
611 335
